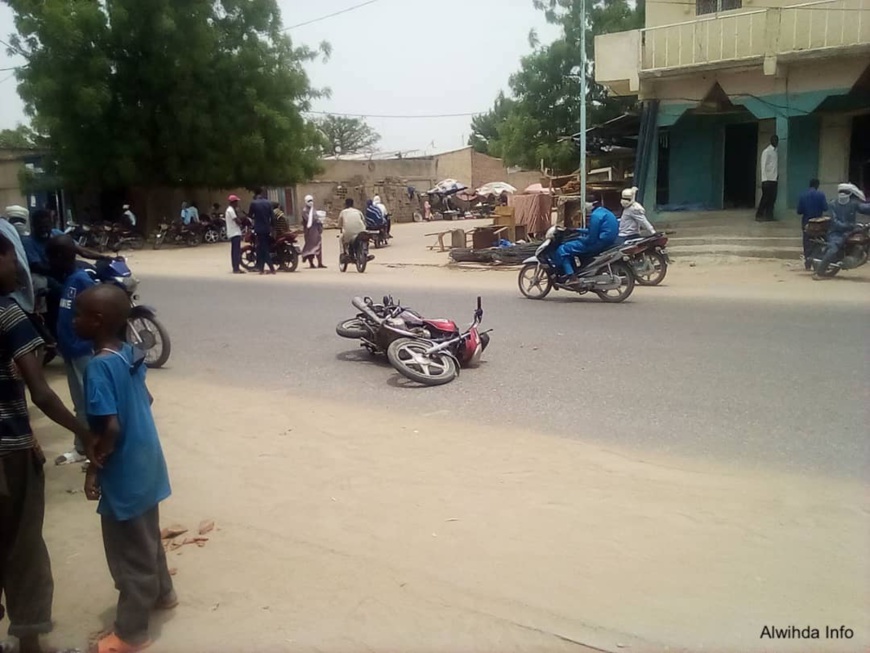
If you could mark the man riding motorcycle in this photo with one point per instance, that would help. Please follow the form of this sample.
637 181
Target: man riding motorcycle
351 223
598 236
850 202
633 219
374 218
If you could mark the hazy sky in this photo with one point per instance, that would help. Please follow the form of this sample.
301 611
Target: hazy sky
393 57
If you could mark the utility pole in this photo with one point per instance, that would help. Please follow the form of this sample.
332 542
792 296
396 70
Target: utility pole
583 109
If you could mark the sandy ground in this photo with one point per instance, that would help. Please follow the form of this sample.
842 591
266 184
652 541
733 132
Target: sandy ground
345 529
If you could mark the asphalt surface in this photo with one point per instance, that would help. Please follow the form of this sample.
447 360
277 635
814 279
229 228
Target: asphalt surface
764 385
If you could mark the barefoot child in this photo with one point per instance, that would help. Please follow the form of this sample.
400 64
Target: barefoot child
129 476
25 568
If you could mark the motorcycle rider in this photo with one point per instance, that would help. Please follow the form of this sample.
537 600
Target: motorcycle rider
374 218
633 218
380 206
600 235
351 223
850 202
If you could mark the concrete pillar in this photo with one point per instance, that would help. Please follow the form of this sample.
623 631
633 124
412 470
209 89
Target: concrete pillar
834 144
782 197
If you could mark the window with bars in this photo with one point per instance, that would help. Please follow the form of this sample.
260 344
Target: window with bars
713 6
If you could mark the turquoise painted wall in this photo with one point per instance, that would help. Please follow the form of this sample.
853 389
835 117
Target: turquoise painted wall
696 146
803 155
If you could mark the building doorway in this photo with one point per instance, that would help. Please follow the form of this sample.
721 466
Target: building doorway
741 151
663 178
859 153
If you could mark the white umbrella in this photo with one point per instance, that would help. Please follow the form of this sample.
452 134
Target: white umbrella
496 188
448 186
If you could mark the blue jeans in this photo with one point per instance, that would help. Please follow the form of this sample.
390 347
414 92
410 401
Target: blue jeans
236 252
836 240
75 377
264 253
564 257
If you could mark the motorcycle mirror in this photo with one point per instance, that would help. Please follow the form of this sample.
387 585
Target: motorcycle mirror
479 307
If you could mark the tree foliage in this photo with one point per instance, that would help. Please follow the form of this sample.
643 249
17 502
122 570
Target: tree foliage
20 138
166 92
544 106
348 135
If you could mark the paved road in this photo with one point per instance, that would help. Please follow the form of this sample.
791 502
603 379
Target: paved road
765 385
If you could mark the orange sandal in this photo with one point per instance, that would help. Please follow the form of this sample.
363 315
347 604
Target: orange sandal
113 644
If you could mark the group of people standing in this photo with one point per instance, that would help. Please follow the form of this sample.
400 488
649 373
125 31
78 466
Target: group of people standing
114 433
268 221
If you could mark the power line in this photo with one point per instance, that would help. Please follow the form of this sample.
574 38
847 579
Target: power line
391 117
332 15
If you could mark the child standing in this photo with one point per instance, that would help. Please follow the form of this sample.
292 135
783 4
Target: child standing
76 352
25 568
128 472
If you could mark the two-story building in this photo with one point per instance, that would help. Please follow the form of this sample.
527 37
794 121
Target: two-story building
719 77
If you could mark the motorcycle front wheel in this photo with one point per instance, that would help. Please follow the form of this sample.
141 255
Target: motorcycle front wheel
409 358
159 239
818 253
192 240
626 275
651 269
212 236
354 329
151 336
535 281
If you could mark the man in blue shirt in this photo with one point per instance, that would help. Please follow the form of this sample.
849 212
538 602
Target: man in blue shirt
812 204
128 473
600 235
77 353
262 214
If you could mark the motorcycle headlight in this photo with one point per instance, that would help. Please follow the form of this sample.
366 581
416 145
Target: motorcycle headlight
127 283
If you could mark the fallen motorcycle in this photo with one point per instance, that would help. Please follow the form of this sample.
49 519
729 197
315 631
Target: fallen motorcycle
428 351
649 258
608 274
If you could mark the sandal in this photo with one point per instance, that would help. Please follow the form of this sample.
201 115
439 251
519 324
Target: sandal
113 644
70 457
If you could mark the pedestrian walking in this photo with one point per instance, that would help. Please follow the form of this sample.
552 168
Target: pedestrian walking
234 233
25 566
261 214
769 181
128 473
812 204
313 230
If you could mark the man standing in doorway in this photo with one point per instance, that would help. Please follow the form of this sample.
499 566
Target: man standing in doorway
812 204
769 179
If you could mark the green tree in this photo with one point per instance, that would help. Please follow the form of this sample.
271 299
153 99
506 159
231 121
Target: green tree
544 106
20 138
484 127
349 135
194 93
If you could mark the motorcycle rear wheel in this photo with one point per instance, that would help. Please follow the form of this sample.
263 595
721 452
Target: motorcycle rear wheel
408 357
624 291
212 236
534 281
818 253
362 257
656 262
289 260
354 329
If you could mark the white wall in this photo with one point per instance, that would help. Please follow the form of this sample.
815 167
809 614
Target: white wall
834 143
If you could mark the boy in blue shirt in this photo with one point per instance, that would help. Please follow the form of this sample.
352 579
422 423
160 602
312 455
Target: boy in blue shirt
128 472
77 353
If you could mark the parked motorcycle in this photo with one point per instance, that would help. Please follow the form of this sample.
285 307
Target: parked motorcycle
649 258
176 233
357 252
117 237
854 253
285 251
609 274
428 351
144 330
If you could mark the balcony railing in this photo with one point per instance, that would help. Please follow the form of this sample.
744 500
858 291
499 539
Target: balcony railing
748 35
